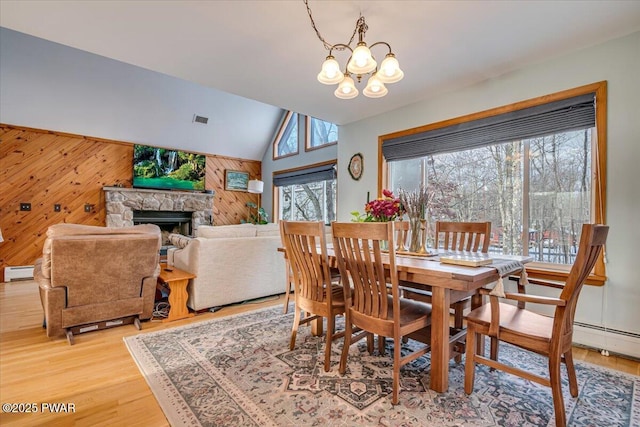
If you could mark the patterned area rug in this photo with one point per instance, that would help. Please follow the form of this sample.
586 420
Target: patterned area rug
238 371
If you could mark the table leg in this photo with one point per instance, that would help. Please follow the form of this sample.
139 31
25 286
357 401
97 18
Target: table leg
441 299
178 301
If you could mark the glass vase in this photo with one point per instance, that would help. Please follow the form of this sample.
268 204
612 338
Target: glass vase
414 228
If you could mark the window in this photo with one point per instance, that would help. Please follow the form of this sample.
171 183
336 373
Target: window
320 133
307 194
286 141
536 191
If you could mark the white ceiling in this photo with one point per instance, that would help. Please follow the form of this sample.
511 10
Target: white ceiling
268 51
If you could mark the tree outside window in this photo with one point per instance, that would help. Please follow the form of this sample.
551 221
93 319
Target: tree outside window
286 141
314 201
320 133
541 185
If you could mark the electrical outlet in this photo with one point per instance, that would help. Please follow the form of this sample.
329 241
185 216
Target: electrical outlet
25 206
87 207
56 207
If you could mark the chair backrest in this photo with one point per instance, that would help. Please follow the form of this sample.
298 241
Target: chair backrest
357 250
463 236
592 240
306 249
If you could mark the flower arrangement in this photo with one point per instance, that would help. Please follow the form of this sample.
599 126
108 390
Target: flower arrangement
386 208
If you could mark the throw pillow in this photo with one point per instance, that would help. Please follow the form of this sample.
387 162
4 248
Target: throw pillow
179 241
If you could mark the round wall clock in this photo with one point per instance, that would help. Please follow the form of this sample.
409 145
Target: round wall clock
356 164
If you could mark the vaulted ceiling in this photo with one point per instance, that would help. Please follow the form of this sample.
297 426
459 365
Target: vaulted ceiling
267 50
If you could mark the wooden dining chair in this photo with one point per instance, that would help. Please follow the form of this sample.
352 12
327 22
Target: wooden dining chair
289 279
314 293
374 305
547 336
457 236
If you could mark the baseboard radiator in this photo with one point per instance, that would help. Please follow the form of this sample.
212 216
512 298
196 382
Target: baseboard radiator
602 338
20 272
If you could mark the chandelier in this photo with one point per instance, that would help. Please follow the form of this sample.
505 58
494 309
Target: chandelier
360 64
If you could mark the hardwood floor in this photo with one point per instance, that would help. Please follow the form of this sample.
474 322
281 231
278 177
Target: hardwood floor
97 375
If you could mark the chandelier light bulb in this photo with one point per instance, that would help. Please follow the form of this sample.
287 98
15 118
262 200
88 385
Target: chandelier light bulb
346 89
361 60
375 88
330 73
390 71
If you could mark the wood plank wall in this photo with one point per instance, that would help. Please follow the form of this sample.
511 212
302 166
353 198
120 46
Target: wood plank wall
45 167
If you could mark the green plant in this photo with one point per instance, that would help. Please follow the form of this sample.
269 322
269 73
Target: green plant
259 217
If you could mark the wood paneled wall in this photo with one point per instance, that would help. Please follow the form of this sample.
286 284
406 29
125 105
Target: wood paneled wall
230 207
46 168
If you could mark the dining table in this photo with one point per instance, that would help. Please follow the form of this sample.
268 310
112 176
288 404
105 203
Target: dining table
448 283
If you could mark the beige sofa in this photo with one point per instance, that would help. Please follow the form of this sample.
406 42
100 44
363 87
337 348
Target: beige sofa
233 263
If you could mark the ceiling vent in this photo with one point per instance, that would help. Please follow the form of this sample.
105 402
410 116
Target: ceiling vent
200 119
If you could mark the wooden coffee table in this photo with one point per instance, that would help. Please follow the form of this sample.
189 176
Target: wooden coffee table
177 280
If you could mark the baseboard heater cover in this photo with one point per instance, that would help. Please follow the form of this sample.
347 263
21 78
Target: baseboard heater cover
18 272
602 338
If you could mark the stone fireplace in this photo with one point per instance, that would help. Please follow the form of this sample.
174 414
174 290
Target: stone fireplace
182 210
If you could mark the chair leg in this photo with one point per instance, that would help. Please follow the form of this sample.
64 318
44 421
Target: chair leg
370 338
382 341
571 373
327 351
469 364
287 296
556 389
294 329
494 348
345 347
70 339
396 369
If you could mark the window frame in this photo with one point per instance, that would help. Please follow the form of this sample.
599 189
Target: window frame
598 176
307 135
278 139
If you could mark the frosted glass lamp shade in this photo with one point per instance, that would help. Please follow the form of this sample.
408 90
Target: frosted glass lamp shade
330 73
255 186
390 71
375 88
361 60
346 89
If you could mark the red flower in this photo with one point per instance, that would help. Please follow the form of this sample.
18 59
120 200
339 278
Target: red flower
384 209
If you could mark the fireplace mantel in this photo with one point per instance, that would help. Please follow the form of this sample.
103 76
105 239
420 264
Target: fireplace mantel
122 201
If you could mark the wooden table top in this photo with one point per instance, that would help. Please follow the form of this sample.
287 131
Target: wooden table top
171 274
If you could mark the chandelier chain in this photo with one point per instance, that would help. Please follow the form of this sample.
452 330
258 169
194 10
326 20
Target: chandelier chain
326 44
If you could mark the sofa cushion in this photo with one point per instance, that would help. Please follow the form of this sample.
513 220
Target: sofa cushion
179 240
218 231
271 229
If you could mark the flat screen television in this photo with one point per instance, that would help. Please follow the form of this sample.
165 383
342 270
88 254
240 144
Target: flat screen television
161 168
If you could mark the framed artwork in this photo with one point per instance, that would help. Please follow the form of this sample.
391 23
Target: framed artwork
356 166
236 180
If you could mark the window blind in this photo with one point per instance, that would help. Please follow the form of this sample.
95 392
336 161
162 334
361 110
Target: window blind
558 116
305 176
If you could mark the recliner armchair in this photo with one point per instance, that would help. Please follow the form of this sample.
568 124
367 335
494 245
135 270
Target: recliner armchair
97 277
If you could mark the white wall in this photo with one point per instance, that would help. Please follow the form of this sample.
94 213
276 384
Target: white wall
50 86
616 305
